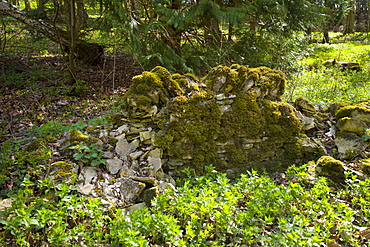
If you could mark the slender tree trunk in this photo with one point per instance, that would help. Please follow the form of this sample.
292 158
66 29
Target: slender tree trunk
325 39
70 7
27 5
350 19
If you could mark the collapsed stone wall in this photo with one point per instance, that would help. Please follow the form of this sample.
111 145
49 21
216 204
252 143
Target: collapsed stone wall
234 118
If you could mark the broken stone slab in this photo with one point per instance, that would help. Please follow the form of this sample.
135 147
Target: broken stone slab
155 162
122 129
130 189
85 189
307 122
123 148
147 180
114 165
157 152
312 145
352 125
126 170
350 145
88 173
136 155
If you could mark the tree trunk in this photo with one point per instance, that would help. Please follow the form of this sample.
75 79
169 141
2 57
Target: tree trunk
325 39
27 5
350 20
90 53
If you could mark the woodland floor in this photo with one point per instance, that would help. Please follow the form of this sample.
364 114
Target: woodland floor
37 89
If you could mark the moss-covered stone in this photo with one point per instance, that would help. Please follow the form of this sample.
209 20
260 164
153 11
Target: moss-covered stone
236 123
60 171
303 105
352 125
41 143
75 137
331 168
359 111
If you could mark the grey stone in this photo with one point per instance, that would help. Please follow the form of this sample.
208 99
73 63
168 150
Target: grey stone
352 125
157 152
350 145
85 189
89 172
136 155
123 148
147 180
114 165
155 162
130 189
126 171
6 203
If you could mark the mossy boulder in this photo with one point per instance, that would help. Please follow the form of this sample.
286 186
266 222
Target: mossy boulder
353 120
331 168
75 137
61 171
151 90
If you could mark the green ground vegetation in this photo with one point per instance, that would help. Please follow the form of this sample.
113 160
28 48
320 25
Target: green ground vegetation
204 211
323 85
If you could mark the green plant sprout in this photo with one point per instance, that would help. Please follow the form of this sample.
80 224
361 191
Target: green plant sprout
91 154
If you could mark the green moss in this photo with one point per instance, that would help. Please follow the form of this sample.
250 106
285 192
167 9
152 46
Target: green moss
190 126
360 111
243 119
329 167
303 105
60 171
41 143
162 73
222 79
38 157
77 137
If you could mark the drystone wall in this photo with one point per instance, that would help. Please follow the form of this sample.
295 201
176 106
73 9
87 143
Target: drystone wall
234 118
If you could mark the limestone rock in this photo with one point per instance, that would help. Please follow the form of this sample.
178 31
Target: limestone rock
6 203
352 125
350 145
155 162
88 173
85 189
123 148
61 171
114 165
130 189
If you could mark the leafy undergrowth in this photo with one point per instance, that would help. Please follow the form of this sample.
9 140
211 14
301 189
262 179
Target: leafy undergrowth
209 210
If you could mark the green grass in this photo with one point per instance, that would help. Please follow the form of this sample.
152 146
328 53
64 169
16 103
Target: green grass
323 85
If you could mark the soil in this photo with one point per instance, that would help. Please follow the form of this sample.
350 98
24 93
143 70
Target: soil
36 90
